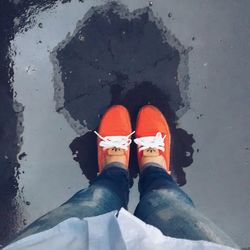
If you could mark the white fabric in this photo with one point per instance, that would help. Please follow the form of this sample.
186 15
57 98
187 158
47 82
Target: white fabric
156 142
107 232
115 141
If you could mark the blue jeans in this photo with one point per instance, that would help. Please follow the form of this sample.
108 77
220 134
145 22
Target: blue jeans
162 204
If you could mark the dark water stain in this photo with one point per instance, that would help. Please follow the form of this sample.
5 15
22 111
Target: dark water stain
118 57
15 16
9 129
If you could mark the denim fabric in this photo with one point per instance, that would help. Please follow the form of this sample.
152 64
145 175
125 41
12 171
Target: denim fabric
108 192
164 205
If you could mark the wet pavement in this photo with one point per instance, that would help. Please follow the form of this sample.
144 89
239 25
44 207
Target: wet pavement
65 62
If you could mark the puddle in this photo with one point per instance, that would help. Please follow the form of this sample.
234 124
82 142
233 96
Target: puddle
10 142
118 57
10 139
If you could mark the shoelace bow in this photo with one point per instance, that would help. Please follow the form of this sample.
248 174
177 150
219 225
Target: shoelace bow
147 142
115 141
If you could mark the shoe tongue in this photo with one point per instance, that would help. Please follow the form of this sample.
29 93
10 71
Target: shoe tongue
115 151
151 152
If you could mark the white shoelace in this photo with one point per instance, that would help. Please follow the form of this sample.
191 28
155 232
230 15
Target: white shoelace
156 142
115 141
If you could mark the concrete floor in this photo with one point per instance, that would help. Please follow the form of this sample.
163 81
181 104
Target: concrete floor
215 107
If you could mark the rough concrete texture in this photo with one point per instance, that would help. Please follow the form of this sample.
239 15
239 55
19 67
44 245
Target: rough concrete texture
201 83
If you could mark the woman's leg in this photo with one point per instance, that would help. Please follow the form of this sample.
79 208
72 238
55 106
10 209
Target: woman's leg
111 188
108 192
164 205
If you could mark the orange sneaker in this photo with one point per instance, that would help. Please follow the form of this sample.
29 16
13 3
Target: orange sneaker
152 135
113 137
